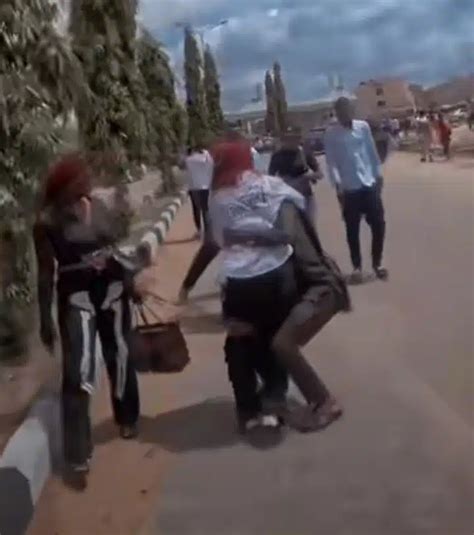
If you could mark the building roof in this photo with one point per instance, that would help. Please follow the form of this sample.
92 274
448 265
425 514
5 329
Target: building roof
257 110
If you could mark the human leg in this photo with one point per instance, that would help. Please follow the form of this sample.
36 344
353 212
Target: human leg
77 323
206 254
352 217
375 216
113 325
195 205
204 207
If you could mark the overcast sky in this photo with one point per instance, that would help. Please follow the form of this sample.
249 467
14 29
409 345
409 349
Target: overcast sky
420 40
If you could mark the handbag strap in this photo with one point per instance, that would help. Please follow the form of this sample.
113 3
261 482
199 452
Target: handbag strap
141 308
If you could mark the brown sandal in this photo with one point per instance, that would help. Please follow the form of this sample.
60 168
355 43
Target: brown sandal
316 418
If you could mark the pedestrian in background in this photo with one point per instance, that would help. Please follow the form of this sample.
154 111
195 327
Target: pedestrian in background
199 167
425 136
444 133
354 169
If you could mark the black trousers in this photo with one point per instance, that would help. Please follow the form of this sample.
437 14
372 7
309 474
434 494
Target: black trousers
263 302
200 204
205 255
104 310
366 202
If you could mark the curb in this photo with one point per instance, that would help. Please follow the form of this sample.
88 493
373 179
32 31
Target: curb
29 457
151 241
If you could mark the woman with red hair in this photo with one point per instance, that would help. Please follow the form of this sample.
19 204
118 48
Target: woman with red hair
279 287
74 240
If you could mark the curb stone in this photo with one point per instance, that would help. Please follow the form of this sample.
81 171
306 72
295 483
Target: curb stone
151 241
30 454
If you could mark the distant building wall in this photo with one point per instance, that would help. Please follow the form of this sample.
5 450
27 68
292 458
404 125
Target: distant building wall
384 98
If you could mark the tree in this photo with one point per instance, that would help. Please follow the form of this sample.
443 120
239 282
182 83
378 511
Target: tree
104 40
168 130
213 92
281 106
40 81
271 122
198 130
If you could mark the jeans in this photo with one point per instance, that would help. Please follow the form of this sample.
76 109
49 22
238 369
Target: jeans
365 202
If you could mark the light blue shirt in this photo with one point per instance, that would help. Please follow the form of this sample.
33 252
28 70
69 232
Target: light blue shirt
351 156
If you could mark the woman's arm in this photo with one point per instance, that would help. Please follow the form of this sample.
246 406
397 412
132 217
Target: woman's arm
46 269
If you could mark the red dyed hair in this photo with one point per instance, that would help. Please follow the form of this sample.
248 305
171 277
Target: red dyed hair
68 180
231 159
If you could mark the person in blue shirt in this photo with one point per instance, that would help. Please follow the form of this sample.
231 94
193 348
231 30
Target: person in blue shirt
354 169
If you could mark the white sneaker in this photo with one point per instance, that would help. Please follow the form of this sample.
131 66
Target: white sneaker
356 276
251 424
269 420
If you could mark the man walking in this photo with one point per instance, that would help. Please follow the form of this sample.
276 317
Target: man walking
199 167
354 169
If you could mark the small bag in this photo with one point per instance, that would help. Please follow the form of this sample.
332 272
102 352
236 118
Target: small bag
157 347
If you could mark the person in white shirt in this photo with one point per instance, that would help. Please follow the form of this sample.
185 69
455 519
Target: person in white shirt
199 168
425 134
262 301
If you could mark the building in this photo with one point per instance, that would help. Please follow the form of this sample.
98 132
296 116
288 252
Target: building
384 98
304 115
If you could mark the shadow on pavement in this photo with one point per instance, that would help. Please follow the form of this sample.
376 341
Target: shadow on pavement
208 425
367 278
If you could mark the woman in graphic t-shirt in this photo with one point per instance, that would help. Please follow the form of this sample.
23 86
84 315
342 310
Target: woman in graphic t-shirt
277 285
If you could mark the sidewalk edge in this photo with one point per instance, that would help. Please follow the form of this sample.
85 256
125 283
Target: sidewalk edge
149 244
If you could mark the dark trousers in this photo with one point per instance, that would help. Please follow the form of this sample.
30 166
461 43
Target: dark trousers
103 310
262 302
206 254
366 202
200 204
446 144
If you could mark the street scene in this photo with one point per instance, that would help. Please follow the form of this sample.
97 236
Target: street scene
235 301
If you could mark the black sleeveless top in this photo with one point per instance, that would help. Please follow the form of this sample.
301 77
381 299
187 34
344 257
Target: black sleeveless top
72 244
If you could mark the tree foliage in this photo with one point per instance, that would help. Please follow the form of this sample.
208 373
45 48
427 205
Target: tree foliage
167 128
104 40
213 93
281 106
271 122
40 80
198 130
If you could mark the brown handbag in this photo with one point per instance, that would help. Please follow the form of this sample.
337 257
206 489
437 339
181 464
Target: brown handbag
157 347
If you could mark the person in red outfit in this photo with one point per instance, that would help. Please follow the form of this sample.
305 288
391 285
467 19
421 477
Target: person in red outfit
445 133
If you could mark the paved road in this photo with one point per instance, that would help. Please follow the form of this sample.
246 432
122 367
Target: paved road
401 460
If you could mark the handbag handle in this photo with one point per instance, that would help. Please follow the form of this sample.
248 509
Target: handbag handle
142 307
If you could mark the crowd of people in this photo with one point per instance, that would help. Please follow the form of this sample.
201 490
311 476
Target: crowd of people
279 286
